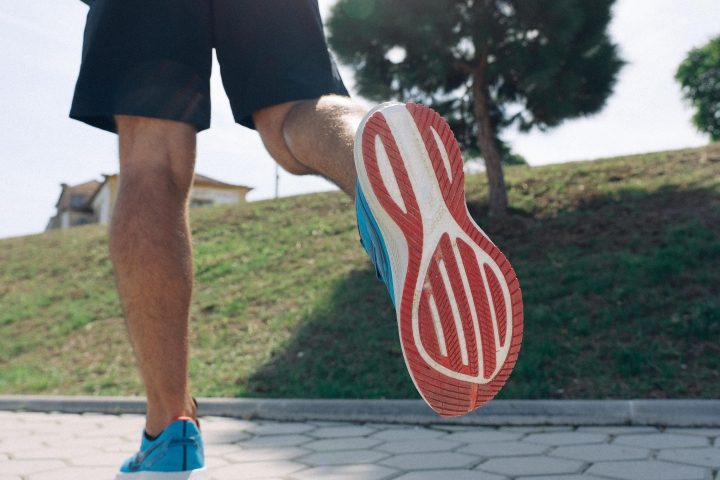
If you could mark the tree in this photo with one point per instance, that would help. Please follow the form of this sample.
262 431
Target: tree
483 64
699 75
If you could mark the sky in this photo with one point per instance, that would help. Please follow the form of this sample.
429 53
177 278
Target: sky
40 147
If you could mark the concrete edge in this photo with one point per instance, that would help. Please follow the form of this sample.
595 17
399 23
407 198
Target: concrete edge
670 413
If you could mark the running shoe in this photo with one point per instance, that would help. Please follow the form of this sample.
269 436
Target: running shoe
175 454
457 299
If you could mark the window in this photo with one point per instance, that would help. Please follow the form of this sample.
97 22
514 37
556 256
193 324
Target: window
77 201
200 202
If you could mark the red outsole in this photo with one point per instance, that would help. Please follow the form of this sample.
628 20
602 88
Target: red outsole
447 395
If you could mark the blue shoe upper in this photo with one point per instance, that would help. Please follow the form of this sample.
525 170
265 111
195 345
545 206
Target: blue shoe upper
178 448
372 240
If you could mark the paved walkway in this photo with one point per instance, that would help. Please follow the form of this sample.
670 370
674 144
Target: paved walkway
38 446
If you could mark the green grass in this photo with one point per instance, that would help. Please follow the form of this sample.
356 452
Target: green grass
619 261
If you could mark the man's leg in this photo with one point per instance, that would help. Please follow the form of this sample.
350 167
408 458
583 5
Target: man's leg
152 256
314 137
411 182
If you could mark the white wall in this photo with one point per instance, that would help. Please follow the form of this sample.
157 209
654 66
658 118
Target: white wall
217 196
101 204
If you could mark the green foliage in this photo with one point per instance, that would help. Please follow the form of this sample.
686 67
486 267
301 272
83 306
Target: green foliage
619 262
699 75
547 61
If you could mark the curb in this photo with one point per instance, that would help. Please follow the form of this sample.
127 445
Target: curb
670 413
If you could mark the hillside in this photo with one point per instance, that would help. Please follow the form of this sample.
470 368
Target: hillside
619 261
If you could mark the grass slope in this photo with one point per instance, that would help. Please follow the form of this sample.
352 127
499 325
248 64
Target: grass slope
619 261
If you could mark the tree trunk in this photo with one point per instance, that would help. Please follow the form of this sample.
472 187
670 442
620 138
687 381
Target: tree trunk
486 139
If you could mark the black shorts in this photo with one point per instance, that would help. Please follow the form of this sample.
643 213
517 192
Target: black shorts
153 58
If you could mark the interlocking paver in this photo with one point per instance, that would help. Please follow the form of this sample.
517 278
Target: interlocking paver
451 474
76 473
43 427
218 450
228 422
458 428
30 416
561 477
703 457
218 437
57 447
23 444
421 461
705 432
126 446
264 454
600 453
279 428
352 443
13 431
276 441
342 432
618 430
566 438
531 465
251 470
538 429
102 431
662 440
24 467
648 470
98 460
346 472
415 446
49 453
89 442
213 462
504 449
342 457
484 436
412 433
332 423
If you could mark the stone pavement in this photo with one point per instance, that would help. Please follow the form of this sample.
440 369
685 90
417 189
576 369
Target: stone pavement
40 446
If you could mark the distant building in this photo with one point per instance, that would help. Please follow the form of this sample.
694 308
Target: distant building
93 202
73 206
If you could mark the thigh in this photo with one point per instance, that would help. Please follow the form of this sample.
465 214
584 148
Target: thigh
145 57
272 52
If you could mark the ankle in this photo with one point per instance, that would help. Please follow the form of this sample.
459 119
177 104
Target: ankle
158 418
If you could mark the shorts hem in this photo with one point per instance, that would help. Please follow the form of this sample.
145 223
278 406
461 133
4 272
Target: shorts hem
106 121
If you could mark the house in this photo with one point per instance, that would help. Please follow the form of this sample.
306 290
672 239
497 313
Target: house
73 206
93 202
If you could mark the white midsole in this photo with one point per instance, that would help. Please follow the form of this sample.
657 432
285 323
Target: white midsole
198 474
397 251
436 220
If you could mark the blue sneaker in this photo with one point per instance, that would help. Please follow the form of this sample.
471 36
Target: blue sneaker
176 454
457 299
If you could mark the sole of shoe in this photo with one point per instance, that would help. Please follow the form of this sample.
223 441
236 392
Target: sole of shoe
457 299
198 474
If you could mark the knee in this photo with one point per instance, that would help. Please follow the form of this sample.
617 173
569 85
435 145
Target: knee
156 156
291 127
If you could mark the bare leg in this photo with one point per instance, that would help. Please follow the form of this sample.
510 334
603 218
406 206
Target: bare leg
151 253
314 137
